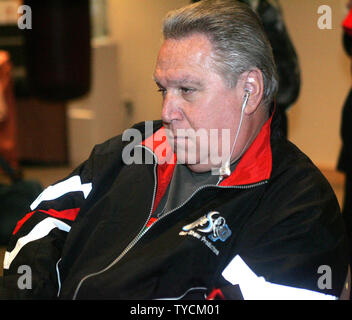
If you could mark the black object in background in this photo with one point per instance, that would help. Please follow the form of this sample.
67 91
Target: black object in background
15 198
58 50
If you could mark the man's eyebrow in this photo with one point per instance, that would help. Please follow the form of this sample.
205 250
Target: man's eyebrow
178 82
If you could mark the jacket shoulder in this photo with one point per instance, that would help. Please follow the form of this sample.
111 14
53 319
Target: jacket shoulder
289 162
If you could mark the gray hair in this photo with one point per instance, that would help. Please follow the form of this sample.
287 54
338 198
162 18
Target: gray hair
237 35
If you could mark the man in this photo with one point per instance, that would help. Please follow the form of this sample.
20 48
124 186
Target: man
185 213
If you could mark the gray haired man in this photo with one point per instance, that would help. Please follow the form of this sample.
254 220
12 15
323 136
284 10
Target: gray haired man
255 220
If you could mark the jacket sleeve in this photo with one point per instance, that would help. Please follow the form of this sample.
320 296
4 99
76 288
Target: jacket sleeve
34 250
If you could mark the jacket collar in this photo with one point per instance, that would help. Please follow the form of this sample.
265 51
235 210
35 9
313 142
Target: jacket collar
256 163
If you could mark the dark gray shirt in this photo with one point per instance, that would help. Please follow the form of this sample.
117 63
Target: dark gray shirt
183 184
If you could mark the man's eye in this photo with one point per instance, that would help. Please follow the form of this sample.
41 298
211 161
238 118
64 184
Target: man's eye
163 91
187 90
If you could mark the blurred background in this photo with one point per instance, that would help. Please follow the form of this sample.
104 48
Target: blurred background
110 48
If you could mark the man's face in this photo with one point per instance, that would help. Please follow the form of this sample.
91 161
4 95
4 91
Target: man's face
196 103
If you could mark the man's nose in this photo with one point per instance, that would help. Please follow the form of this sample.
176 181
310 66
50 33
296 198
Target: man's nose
171 108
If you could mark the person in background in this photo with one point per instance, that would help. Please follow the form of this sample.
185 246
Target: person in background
345 157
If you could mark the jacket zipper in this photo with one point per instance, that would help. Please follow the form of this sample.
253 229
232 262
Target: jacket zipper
144 230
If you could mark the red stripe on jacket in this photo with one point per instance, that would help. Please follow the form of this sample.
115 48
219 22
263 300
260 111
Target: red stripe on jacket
69 214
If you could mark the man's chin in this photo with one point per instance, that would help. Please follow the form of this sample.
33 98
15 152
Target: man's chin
201 167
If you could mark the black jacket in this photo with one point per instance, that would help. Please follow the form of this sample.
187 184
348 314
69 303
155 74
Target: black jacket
92 236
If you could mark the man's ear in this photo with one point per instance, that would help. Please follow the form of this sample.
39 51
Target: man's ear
253 84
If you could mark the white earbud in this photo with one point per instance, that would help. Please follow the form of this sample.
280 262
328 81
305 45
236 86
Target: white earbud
246 97
225 170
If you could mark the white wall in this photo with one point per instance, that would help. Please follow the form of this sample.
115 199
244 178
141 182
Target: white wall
98 116
315 118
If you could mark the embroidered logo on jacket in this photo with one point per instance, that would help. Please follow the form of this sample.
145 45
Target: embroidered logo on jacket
211 224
